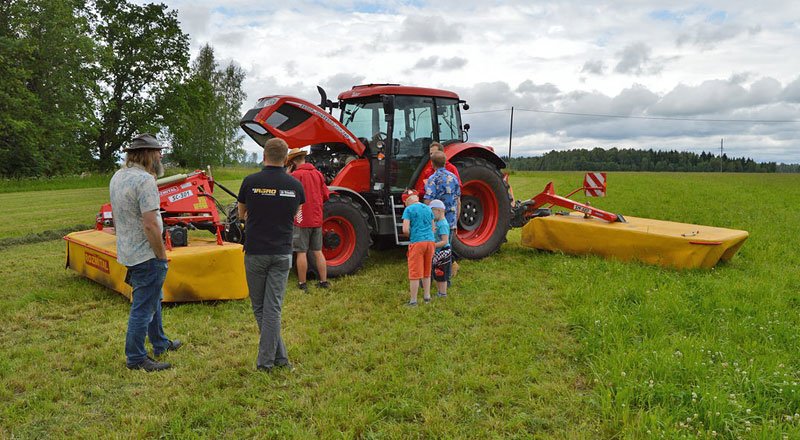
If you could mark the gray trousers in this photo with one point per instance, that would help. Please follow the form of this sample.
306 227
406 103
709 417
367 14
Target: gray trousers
266 280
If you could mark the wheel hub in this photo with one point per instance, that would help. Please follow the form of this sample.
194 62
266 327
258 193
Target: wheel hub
331 240
471 213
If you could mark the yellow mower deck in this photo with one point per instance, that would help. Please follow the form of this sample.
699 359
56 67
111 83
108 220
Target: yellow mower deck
201 271
671 244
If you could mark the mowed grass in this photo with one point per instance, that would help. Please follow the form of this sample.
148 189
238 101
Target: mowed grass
528 345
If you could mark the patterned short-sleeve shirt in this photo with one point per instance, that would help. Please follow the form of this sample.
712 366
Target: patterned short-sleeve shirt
133 191
443 185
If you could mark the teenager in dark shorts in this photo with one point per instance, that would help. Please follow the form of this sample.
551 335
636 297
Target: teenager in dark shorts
307 237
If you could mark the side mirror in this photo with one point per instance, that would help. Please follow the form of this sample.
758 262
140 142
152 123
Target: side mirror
465 106
466 127
324 101
388 107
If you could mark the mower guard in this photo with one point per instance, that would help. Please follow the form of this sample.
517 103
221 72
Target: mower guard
201 271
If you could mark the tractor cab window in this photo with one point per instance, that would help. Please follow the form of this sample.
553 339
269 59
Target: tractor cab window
449 120
366 121
413 133
410 141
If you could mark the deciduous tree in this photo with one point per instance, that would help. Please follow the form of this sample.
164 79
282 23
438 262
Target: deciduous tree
143 54
203 124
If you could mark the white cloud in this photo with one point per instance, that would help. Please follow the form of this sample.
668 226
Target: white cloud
596 67
636 59
722 60
430 29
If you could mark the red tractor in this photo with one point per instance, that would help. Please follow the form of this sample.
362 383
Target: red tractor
378 148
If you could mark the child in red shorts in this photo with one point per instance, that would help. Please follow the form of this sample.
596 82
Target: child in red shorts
418 225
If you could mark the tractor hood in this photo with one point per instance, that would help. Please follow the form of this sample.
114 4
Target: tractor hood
298 122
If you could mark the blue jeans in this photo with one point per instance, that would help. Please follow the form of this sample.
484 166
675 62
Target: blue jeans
145 319
266 281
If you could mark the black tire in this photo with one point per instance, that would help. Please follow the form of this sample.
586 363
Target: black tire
482 184
346 235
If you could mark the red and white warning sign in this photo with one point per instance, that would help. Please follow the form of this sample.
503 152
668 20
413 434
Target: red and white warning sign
594 184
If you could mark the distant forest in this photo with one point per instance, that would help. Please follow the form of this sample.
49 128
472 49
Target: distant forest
613 159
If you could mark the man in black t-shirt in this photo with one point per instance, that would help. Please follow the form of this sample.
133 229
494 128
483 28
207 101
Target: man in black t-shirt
268 202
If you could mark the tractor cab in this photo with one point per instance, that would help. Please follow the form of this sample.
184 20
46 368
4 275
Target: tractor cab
398 130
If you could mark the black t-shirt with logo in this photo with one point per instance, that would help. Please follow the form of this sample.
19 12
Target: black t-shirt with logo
272 198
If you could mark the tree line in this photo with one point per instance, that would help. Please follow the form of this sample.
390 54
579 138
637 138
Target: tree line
613 159
78 78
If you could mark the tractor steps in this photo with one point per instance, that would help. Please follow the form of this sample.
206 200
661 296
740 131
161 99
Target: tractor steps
397 210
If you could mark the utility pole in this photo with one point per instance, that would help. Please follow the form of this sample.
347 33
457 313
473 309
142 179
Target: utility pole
720 155
510 132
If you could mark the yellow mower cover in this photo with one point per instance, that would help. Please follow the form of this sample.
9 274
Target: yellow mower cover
670 244
201 271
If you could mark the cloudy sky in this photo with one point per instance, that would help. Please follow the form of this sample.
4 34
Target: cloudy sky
690 73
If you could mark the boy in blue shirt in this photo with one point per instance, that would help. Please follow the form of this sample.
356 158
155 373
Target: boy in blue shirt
418 225
442 255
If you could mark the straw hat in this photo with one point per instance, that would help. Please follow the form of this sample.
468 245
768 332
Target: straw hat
295 152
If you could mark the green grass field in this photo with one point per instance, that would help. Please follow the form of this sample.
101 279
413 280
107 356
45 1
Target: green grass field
528 345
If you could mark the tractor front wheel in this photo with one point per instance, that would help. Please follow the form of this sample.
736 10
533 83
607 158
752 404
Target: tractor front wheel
345 235
485 208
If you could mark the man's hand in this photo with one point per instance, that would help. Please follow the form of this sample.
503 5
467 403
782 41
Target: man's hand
153 233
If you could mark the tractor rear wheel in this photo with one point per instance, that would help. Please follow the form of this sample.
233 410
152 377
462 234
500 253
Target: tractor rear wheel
346 235
485 208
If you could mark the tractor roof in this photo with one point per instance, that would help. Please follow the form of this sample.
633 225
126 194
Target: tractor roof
393 89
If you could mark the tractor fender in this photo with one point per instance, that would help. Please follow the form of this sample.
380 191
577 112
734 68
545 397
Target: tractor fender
358 198
470 149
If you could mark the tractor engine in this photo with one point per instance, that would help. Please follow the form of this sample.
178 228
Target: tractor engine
330 158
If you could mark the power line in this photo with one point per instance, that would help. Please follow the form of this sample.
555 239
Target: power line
490 111
659 118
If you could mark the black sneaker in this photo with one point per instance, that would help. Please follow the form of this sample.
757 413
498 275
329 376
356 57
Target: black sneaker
174 345
287 366
323 285
302 286
264 369
149 364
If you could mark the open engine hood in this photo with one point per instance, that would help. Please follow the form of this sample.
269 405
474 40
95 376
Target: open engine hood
298 122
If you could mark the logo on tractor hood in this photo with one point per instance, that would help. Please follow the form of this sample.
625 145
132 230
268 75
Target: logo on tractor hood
330 121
